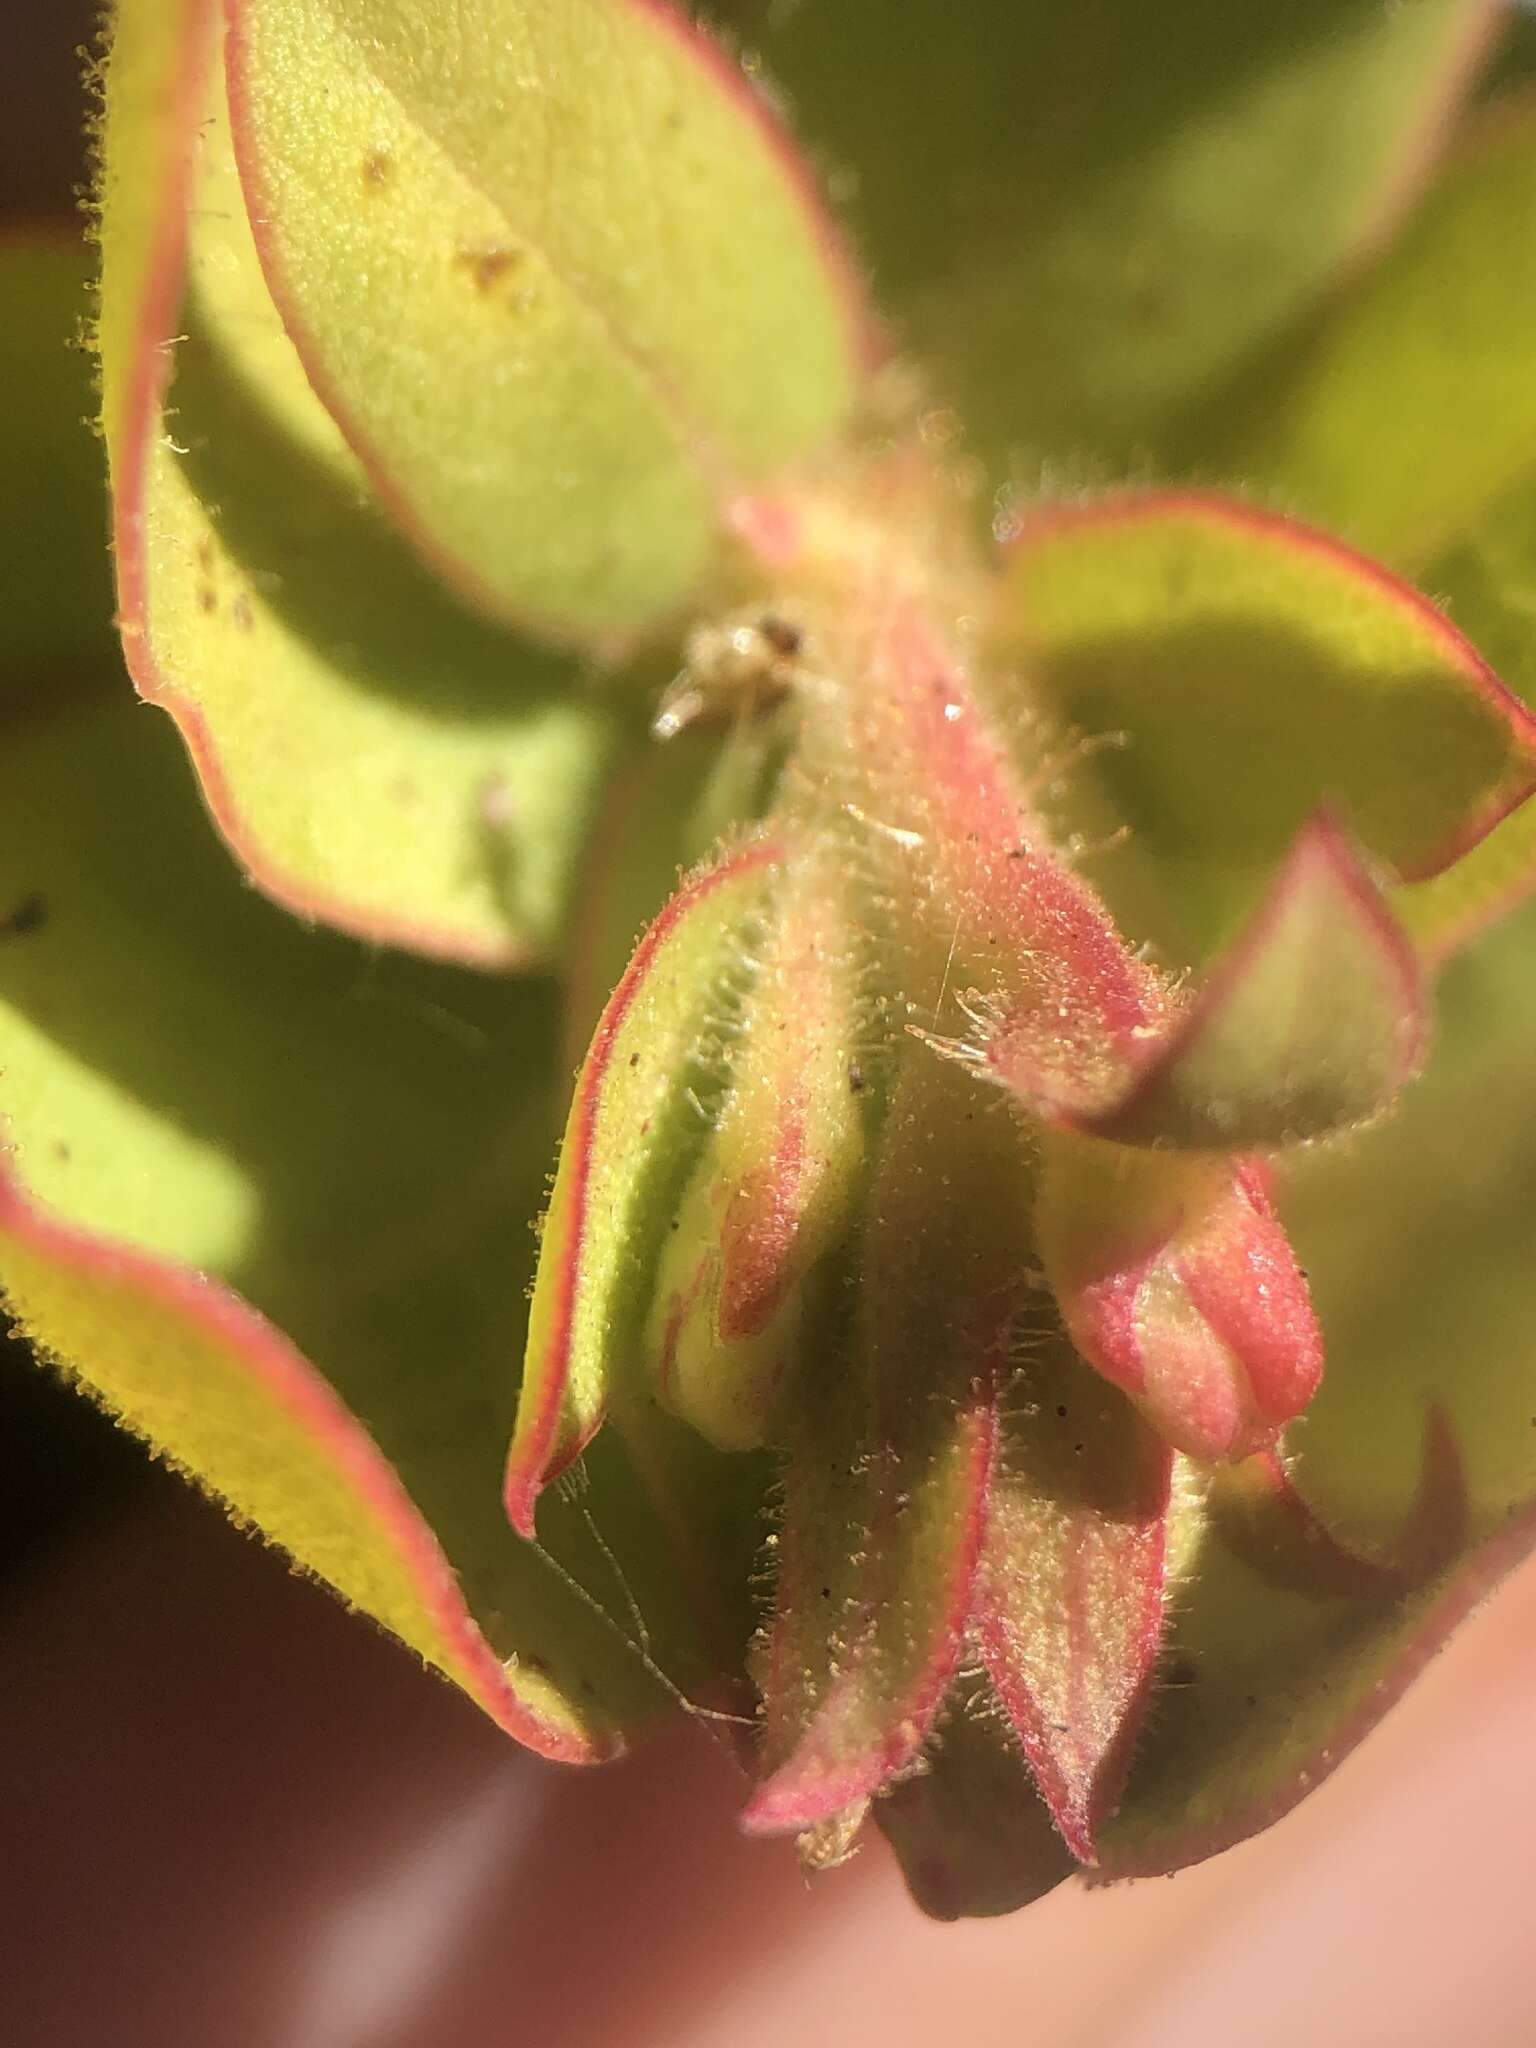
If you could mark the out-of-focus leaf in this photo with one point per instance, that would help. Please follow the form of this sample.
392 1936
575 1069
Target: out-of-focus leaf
1408 411
1439 336
228 1129
1247 670
1421 1247
54 601
1116 201
375 757
556 273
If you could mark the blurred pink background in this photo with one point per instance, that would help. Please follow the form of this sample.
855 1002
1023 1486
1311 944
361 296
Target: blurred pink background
235 1818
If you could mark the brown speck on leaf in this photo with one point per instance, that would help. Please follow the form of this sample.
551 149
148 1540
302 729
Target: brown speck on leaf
855 1079
240 612
205 556
61 1151
487 267
26 917
208 598
378 166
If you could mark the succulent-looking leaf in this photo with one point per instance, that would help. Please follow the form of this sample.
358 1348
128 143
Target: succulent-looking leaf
1444 326
1071 1591
1312 1021
1213 640
1118 201
637 1122
189 1366
775 1185
892 1450
574 217
1177 1282
222 1128
374 757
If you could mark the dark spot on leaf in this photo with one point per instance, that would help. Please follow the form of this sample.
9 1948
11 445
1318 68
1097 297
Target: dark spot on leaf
29 915
240 612
487 267
208 598
826 1592
1061 1410
856 1079
378 167
61 1150
634 1059
1252 1700
1183 1671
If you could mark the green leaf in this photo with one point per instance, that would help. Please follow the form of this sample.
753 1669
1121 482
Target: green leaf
375 757
1071 1592
638 1120
891 1454
1116 201
1420 1243
1408 411
557 275
268 1196
1250 670
1409 418
1311 1022
55 602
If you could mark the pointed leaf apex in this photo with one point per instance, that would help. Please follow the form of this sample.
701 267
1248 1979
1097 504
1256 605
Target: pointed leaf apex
632 1123
1311 1022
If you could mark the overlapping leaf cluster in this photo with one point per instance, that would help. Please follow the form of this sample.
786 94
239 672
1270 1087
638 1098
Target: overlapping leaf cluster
1070 860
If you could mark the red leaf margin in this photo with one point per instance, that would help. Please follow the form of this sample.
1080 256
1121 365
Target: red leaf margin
294 1385
1222 510
1322 848
149 378
866 344
529 1467
1466 1583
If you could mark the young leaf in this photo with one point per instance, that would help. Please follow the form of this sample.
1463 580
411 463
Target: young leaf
635 1127
556 275
892 1449
1071 1592
776 1184
1311 1022
1253 669
374 757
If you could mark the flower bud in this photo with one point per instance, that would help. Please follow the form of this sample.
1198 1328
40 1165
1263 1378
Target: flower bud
1176 1280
